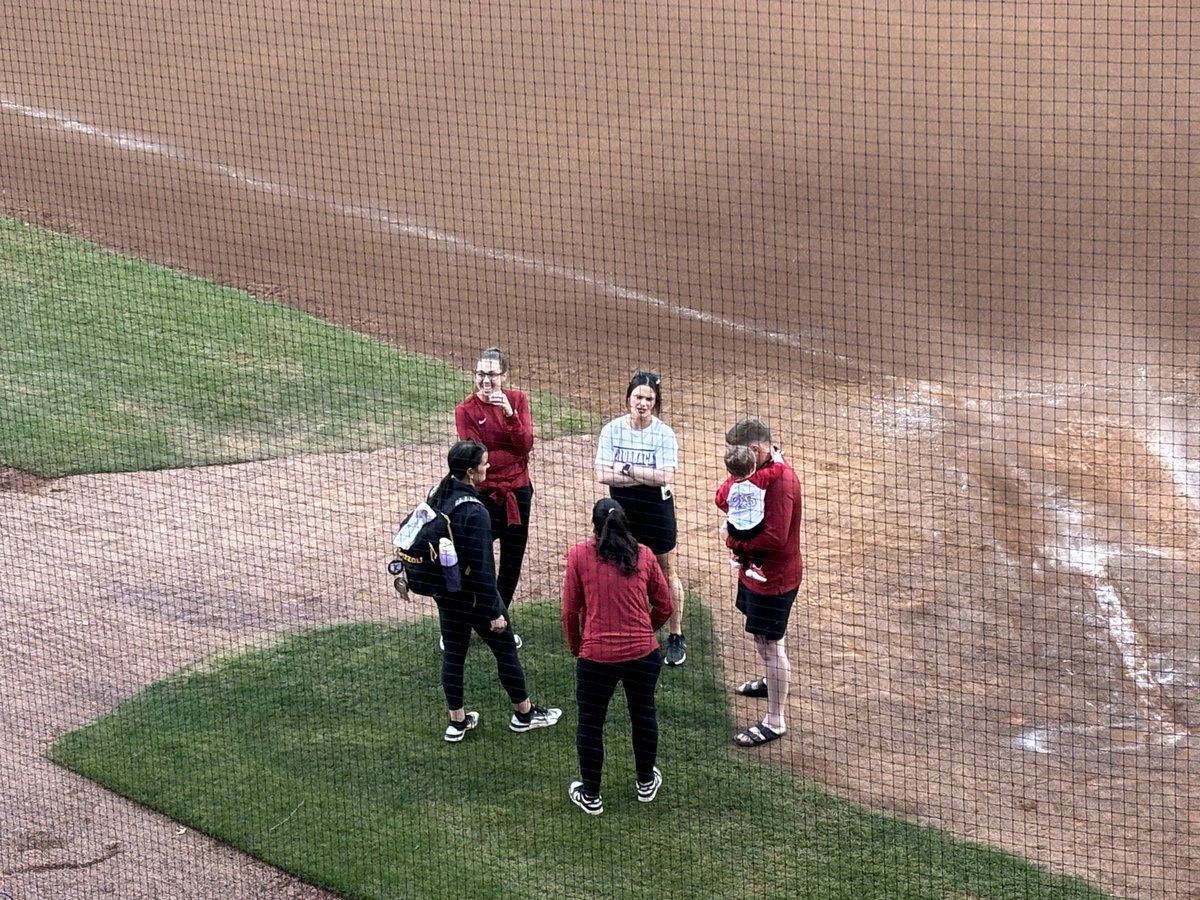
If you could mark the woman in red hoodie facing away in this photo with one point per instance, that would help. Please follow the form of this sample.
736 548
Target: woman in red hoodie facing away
615 598
499 418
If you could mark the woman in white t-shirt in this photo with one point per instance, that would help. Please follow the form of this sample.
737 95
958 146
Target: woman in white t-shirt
637 457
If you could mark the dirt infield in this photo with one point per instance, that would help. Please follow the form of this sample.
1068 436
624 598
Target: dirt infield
947 255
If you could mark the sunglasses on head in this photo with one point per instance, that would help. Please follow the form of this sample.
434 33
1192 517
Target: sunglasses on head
651 378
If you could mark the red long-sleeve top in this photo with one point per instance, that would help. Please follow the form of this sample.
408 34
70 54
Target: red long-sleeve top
508 439
782 536
610 617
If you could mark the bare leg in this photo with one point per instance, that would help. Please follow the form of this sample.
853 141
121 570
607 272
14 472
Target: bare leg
778 673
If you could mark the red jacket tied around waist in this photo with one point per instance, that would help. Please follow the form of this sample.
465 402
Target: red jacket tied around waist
508 439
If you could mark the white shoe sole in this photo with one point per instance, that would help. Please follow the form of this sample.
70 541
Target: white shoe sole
454 735
647 797
551 718
575 792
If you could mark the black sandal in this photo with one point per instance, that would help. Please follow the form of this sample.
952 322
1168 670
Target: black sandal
757 735
755 687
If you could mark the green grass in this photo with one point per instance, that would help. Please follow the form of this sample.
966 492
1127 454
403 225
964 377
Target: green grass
112 364
322 754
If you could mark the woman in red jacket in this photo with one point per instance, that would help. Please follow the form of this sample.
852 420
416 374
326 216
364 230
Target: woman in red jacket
499 418
614 600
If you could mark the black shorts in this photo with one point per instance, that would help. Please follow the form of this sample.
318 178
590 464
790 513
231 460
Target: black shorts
651 518
766 614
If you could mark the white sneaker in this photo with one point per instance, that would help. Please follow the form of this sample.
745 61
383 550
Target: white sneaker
593 806
539 717
456 731
754 573
648 790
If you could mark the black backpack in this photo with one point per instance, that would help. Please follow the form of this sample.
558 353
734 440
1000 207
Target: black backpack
416 567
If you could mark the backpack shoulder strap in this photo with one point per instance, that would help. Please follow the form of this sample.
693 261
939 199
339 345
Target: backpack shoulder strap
445 509
445 513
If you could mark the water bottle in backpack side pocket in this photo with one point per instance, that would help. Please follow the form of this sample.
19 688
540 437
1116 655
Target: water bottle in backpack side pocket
448 557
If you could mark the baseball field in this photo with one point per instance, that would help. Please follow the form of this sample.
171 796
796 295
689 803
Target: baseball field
946 250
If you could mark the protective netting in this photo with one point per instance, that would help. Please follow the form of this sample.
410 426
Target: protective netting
944 250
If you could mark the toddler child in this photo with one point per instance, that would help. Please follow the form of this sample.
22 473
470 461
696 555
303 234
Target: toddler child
741 497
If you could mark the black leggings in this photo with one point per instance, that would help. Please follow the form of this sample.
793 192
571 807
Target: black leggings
595 683
513 540
457 625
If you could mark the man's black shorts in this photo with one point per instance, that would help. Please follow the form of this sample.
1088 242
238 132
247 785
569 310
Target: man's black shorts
766 614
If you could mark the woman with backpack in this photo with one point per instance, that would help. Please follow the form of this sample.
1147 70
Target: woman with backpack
615 597
477 606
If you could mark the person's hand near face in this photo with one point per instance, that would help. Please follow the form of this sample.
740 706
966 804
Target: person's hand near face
489 382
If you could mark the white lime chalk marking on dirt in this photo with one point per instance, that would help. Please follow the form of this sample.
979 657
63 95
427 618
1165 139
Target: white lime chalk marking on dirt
400 225
1125 636
1034 740
1185 474
1124 736
1077 554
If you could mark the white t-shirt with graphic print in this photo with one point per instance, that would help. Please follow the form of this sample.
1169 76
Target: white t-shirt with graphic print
654 446
747 505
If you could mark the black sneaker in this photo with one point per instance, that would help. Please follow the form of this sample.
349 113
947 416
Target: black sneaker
538 717
648 790
676 650
593 806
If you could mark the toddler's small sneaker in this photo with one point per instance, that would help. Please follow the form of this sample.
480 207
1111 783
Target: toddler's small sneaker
734 564
648 790
593 806
456 731
537 717
754 573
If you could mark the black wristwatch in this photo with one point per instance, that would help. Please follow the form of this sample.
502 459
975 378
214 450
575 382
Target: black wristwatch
627 470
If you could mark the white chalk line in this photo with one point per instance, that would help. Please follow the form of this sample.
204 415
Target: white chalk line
403 225
1076 554
1073 551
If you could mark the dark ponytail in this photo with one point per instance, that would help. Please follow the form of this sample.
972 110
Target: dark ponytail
614 541
463 456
